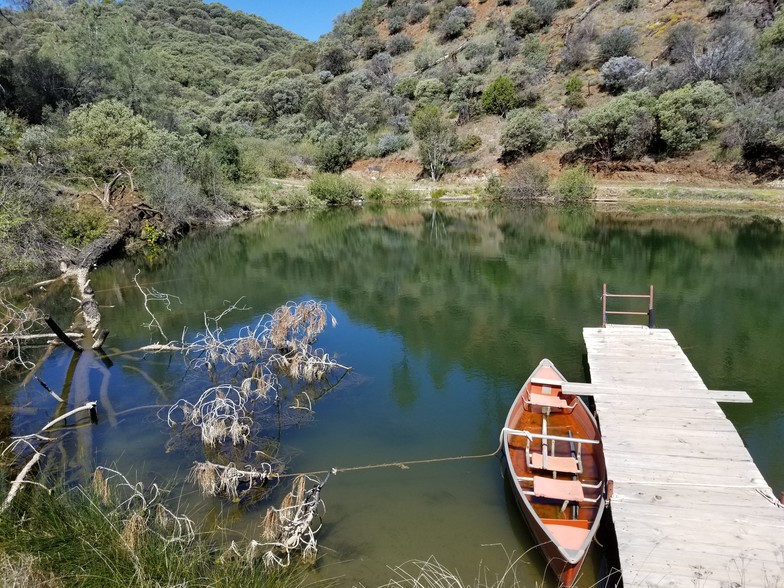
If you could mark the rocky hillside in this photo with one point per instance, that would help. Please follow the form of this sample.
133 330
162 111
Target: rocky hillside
680 87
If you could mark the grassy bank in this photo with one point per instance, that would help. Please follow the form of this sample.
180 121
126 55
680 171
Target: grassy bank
76 537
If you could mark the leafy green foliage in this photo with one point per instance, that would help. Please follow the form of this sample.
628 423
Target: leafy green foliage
500 96
333 189
691 115
618 42
78 227
623 128
106 138
575 184
525 21
526 134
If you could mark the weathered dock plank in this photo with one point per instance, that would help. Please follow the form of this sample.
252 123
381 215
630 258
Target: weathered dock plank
690 507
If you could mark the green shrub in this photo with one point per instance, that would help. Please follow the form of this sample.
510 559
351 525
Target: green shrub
278 165
430 90
406 87
469 143
500 96
334 189
575 184
377 194
618 42
526 133
622 128
690 115
525 21
78 227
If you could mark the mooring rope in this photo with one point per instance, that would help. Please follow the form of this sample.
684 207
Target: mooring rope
403 465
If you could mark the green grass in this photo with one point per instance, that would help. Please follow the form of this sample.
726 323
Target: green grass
70 538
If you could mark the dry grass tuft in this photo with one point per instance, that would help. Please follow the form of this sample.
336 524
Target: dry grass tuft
134 532
24 571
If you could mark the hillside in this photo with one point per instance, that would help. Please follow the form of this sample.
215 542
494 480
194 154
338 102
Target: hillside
184 110
584 60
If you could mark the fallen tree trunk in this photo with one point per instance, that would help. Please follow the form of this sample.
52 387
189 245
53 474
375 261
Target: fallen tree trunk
37 336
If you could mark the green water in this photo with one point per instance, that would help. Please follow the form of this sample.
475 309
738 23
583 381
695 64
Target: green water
441 313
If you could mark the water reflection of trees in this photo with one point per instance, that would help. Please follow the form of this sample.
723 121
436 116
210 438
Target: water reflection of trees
495 289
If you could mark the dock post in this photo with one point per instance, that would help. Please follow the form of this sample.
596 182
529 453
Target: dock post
651 311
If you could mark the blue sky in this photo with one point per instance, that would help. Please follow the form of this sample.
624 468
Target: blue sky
309 18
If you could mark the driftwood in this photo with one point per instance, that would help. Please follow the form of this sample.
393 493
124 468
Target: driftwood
87 406
28 439
37 336
19 481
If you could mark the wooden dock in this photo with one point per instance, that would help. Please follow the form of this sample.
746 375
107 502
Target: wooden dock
690 508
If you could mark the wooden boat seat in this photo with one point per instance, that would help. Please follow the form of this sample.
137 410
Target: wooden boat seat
567 465
547 400
546 382
558 489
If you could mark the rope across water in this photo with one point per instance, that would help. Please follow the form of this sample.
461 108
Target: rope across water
403 465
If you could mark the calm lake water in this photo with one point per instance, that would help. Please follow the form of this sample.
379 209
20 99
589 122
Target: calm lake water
442 312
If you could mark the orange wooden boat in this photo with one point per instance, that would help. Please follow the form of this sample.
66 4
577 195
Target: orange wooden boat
556 466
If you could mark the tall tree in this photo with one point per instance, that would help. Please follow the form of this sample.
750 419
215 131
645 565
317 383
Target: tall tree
436 137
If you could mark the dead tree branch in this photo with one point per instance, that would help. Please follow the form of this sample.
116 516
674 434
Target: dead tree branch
152 295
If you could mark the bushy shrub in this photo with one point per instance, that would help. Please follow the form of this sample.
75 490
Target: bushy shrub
575 184
399 44
79 227
406 87
619 73
371 46
278 165
576 50
334 58
388 144
334 189
430 90
469 143
681 44
417 12
506 2
622 128
396 23
574 93
525 21
618 42
691 115
627 5
526 181
458 20
500 96
757 127
168 189
546 10
525 134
